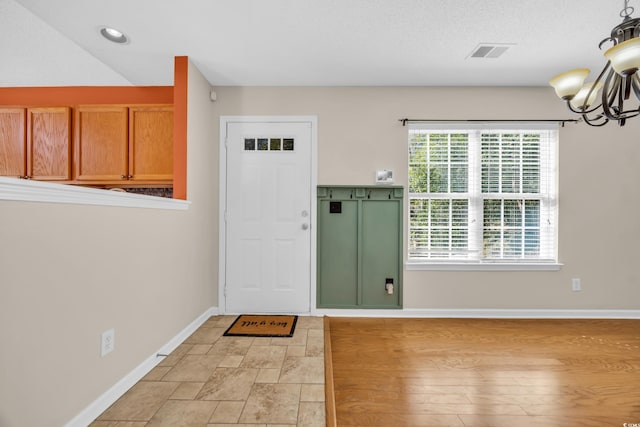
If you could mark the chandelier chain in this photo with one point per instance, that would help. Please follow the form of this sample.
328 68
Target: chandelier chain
627 11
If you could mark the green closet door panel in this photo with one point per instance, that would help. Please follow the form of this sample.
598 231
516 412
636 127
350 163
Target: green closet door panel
337 254
380 252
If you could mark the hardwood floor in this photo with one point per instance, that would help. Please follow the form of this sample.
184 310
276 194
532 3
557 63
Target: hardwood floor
485 372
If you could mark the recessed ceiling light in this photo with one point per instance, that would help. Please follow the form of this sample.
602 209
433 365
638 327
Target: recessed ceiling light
114 35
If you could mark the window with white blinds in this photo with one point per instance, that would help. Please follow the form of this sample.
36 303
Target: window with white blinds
482 195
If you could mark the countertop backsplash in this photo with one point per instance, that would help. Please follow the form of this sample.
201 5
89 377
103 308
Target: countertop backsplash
158 192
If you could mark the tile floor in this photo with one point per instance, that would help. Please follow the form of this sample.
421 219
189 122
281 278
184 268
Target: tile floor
216 381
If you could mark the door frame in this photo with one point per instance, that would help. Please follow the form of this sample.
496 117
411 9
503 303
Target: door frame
222 235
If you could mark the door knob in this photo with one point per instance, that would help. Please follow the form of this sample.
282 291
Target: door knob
305 226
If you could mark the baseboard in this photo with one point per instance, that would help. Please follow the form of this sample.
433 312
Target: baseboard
483 313
96 408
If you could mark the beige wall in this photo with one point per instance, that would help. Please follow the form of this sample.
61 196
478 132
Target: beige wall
70 272
359 132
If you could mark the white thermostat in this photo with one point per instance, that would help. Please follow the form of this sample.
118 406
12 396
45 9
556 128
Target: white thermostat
384 176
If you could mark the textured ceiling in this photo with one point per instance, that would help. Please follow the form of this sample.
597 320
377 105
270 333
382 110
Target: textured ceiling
302 42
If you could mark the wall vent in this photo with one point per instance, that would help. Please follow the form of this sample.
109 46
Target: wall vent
489 50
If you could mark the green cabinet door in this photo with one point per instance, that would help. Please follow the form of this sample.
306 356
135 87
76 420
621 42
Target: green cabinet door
338 254
359 246
380 252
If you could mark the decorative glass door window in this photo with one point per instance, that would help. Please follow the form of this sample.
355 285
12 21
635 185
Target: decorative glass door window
269 144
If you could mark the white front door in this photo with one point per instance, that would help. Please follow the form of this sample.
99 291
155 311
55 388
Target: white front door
268 214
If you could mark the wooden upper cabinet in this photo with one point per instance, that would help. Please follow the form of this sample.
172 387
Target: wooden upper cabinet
110 144
151 143
101 143
13 142
35 143
49 143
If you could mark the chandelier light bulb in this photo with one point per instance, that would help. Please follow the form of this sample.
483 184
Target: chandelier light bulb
569 83
625 56
578 101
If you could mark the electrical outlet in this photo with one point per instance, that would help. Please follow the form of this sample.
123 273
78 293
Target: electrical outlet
108 342
576 285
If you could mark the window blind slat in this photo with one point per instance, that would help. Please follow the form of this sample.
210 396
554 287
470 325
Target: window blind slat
508 200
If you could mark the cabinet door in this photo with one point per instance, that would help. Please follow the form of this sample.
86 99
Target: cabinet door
49 143
381 252
338 253
13 144
151 143
100 143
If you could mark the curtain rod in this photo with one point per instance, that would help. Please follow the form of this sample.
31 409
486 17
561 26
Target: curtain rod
561 121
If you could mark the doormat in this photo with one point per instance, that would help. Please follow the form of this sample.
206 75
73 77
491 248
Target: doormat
251 325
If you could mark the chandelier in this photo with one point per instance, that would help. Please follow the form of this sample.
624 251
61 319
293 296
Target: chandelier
616 81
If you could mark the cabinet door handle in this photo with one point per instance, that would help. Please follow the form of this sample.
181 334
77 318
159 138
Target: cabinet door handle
123 177
305 226
129 176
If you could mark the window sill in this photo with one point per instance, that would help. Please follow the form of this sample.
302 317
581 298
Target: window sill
38 191
414 266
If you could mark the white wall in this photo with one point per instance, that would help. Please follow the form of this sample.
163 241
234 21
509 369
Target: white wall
359 132
70 272
36 54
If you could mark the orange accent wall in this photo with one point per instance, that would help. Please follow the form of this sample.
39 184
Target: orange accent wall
180 97
72 95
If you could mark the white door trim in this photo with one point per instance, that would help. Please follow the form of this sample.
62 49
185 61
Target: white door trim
222 248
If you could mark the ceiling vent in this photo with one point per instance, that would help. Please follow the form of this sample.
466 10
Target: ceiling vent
489 50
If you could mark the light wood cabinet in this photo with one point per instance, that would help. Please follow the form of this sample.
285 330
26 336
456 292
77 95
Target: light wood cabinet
35 143
109 145
101 148
49 143
151 143
13 143
123 145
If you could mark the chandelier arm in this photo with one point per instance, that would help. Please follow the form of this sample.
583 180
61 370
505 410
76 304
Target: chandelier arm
626 85
593 87
573 110
609 95
608 39
629 114
625 89
630 84
635 85
621 96
592 122
582 112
